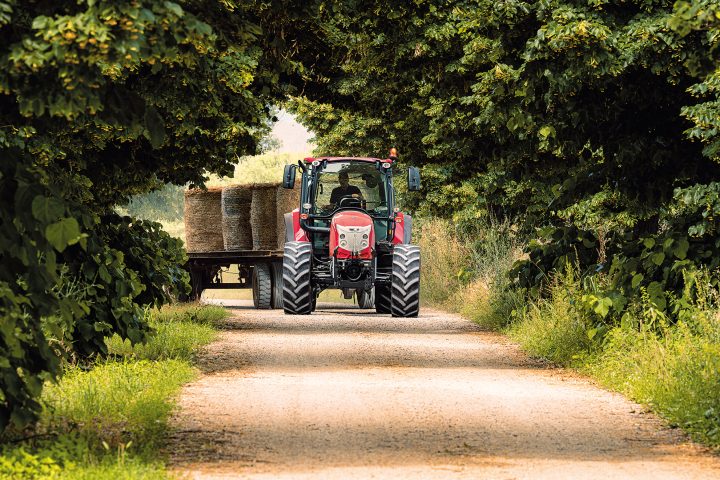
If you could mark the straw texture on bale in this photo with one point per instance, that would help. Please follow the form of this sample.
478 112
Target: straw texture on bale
287 201
263 213
203 220
236 204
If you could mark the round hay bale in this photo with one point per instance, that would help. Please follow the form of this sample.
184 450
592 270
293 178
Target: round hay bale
236 203
203 220
262 216
287 201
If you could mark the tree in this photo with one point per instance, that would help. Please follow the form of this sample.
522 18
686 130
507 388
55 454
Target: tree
100 100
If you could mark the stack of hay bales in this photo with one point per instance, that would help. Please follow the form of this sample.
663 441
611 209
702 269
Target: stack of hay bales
287 200
238 217
203 220
236 204
263 213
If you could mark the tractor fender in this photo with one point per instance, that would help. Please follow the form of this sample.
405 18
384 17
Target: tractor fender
403 229
293 231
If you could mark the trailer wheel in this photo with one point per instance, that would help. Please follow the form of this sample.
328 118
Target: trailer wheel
277 287
298 294
382 299
405 290
262 286
198 280
365 298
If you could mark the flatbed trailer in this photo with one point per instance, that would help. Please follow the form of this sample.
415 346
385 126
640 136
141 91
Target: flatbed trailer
260 270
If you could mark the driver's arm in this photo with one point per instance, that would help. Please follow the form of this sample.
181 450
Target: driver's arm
335 196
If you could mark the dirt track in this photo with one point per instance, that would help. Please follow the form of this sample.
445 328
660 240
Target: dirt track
345 393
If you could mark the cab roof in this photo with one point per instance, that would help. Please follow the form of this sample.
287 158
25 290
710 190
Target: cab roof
339 159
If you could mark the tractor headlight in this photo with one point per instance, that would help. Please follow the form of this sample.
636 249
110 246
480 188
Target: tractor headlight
364 244
342 235
365 236
343 244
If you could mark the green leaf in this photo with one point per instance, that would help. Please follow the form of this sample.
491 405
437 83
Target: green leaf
649 242
175 8
63 233
47 209
657 258
681 249
547 131
603 306
155 127
637 278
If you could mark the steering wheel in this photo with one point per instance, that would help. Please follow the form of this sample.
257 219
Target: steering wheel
351 202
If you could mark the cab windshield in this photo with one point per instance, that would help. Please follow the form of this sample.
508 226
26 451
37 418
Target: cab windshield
350 184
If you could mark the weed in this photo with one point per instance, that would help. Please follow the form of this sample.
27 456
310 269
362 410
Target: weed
553 327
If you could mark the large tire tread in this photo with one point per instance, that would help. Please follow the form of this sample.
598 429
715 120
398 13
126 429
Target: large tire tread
298 295
405 290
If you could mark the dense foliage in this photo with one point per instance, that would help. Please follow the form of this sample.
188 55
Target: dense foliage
100 100
595 122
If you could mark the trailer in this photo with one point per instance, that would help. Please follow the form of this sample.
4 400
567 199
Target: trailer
260 270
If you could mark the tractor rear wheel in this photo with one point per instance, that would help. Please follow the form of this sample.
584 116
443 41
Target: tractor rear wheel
382 299
405 290
262 286
298 295
365 298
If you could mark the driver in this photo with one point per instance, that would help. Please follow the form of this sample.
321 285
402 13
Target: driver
344 190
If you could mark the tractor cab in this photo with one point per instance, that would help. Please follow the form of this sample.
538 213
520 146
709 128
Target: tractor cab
349 226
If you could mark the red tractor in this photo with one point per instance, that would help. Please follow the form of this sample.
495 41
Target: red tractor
348 235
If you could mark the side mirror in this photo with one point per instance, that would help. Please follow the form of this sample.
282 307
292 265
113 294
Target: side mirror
289 176
413 179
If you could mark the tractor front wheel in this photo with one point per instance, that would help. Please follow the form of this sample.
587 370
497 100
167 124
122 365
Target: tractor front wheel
298 295
277 287
365 298
405 290
382 299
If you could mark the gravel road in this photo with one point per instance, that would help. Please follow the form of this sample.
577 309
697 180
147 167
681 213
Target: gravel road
345 393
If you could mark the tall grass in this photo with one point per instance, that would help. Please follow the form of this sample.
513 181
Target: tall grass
178 333
108 421
467 272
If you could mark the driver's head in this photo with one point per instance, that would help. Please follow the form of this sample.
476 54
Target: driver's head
370 180
344 179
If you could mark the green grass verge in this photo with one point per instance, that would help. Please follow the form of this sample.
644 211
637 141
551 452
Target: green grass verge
108 421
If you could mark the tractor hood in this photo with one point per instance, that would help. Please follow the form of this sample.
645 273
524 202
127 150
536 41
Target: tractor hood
352 235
